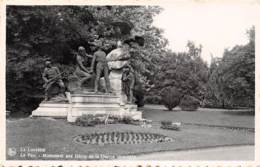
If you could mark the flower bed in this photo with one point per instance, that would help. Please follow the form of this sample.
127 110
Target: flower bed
121 138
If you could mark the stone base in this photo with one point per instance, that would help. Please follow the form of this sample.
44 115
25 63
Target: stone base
51 109
85 104
117 111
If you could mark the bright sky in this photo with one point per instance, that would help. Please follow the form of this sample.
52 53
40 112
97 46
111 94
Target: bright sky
215 26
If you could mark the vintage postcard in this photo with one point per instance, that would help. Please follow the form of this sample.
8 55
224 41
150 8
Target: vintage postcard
129 83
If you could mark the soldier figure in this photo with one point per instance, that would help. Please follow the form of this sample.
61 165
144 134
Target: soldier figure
128 81
50 76
99 59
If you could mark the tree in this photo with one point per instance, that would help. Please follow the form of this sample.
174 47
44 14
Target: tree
189 103
185 71
232 80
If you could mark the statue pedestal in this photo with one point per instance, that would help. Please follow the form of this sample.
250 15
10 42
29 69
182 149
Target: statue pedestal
87 103
115 82
115 77
51 109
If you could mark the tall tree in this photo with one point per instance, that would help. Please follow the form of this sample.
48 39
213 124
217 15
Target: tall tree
232 80
186 72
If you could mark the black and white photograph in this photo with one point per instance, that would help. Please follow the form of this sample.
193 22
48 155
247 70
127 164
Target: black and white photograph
171 82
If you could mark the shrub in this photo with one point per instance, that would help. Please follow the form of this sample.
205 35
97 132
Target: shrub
153 100
139 95
112 119
171 97
164 123
88 120
189 103
170 125
126 120
92 120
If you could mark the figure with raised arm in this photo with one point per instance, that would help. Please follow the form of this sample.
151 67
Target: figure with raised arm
81 71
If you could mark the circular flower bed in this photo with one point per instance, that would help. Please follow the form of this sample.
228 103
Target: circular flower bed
121 138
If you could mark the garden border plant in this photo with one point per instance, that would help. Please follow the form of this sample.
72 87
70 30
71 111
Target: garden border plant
189 103
171 97
92 120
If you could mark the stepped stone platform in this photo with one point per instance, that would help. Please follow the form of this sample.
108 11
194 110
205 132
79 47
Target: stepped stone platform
87 103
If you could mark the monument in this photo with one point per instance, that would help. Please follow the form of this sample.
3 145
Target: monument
81 101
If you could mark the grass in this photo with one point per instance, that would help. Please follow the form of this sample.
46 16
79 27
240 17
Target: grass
56 136
206 116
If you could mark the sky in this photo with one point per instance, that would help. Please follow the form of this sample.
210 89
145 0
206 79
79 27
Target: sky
216 26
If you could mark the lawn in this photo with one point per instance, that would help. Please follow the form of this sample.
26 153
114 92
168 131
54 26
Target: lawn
56 136
205 116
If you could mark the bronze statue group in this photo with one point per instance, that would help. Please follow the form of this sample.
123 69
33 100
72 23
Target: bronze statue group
99 65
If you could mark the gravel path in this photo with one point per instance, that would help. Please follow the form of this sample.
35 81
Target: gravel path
245 152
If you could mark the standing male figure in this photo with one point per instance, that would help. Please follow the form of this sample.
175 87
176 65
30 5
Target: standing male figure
52 75
99 58
128 82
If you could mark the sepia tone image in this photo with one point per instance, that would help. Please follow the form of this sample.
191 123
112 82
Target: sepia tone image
170 82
